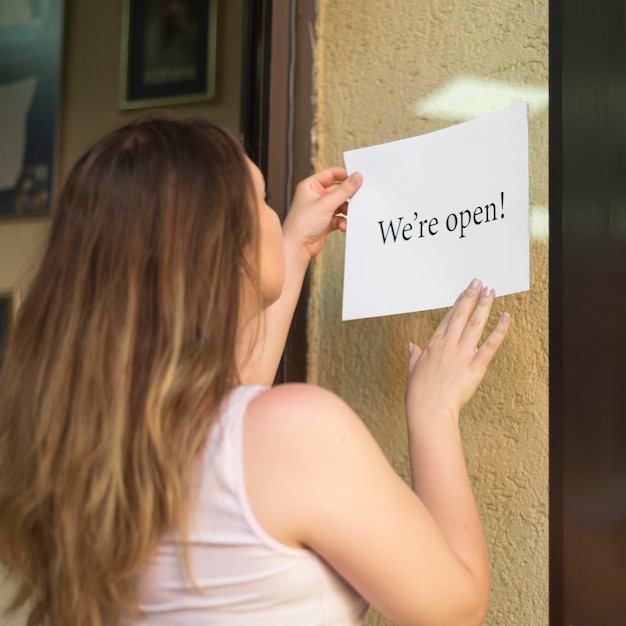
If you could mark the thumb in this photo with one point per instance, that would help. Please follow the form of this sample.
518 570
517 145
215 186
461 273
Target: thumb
414 355
342 192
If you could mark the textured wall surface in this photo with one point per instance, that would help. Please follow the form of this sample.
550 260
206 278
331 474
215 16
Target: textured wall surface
393 69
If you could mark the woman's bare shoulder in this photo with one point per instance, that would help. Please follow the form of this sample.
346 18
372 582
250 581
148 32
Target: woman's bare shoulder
299 435
296 393
301 408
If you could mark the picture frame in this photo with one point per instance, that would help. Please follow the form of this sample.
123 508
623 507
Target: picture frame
31 48
168 52
8 304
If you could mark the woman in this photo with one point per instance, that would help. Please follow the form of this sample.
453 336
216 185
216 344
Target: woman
149 474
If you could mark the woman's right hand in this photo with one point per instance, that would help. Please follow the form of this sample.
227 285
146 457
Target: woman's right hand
445 374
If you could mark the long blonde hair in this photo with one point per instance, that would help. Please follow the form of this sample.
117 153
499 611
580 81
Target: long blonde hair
120 354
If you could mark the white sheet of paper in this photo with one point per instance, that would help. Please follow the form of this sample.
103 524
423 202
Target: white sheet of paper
435 211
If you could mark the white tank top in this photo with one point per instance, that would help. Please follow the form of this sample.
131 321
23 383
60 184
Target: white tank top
244 577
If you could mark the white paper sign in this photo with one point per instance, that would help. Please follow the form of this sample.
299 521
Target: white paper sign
436 211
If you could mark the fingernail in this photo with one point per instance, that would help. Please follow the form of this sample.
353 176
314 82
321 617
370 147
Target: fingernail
410 348
505 317
355 178
475 283
487 291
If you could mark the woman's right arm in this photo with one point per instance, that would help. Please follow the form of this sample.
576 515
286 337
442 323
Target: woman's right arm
442 378
316 478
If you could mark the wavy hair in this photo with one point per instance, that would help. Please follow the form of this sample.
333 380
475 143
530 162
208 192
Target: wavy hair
118 359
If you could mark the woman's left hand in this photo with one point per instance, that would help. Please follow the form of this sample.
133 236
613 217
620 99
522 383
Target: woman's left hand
316 202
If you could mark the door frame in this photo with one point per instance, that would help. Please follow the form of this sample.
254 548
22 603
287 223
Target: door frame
277 118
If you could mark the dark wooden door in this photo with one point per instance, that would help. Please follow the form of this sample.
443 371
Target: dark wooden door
588 312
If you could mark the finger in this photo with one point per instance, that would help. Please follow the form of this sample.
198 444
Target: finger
339 223
318 184
456 318
478 319
342 211
490 346
445 320
329 176
338 195
414 354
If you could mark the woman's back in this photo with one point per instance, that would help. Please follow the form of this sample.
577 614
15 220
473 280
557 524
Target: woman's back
242 575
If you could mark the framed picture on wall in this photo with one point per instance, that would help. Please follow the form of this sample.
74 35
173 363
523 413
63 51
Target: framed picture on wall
31 36
168 52
7 302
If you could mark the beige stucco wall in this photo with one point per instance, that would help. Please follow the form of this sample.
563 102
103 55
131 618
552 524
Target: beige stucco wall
394 69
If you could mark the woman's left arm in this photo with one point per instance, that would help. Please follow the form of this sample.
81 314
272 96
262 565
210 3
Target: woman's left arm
311 217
